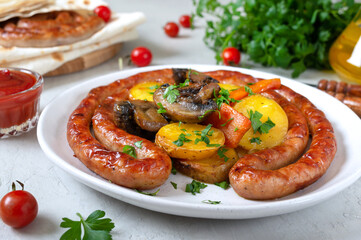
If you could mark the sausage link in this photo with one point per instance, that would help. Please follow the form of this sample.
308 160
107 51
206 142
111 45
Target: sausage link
115 166
258 184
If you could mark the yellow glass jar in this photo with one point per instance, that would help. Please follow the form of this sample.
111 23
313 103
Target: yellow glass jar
345 53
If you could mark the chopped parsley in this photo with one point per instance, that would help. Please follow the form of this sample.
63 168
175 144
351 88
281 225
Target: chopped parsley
161 108
171 93
256 140
139 144
224 124
256 123
211 202
130 150
204 135
184 84
195 187
154 87
148 194
249 91
221 153
173 171
224 185
236 129
223 97
266 126
174 185
182 139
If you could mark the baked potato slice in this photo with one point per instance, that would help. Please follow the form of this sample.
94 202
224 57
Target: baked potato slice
182 140
213 169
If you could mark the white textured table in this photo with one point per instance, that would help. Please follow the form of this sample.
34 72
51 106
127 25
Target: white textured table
59 195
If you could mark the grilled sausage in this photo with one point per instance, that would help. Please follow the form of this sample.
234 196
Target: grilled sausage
118 167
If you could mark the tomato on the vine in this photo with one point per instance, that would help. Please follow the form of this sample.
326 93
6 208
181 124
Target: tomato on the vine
231 56
141 56
185 21
171 29
103 12
18 208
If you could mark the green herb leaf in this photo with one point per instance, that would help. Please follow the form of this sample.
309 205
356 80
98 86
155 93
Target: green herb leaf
223 97
174 185
290 34
147 193
181 140
266 126
249 91
154 87
204 135
211 202
255 140
171 93
173 171
224 185
161 108
195 187
130 150
139 144
95 227
224 124
221 153
255 118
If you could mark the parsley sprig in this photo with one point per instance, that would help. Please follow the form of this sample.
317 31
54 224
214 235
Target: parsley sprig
171 93
94 227
204 136
182 138
221 153
223 97
195 187
256 123
284 33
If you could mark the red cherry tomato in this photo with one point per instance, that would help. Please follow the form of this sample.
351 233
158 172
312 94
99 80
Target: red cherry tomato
231 56
141 56
103 12
171 29
18 208
185 21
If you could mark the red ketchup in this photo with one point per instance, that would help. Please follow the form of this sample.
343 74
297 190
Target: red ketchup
20 91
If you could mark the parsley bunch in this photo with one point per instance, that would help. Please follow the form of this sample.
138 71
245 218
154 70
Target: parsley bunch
294 34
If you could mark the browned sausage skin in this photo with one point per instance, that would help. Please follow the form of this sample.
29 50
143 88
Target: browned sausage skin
115 166
258 184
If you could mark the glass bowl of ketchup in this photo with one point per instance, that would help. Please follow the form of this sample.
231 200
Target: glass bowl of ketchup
20 91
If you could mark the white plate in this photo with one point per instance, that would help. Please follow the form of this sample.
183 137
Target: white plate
345 169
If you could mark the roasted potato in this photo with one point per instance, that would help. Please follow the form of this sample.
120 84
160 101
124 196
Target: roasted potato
144 91
180 140
228 87
212 169
270 110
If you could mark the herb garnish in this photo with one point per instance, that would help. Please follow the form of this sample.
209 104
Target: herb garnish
256 140
204 136
173 171
221 153
224 185
148 194
195 187
224 124
130 150
249 91
211 202
161 108
138 144
256 123
174 185
171 93
223 97
95 227
182 139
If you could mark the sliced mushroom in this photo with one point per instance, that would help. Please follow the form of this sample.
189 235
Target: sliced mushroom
193 104
138 117
181 74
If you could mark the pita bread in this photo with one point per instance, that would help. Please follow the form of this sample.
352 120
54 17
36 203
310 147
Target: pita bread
27 8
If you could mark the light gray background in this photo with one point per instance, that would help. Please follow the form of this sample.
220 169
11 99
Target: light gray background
59 195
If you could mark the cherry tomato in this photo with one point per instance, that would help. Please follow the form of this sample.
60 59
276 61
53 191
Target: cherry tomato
171 29
141 56
103 12
231 56
18 208
185 21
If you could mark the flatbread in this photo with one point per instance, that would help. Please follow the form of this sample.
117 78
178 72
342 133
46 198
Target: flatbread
120 23
27 8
